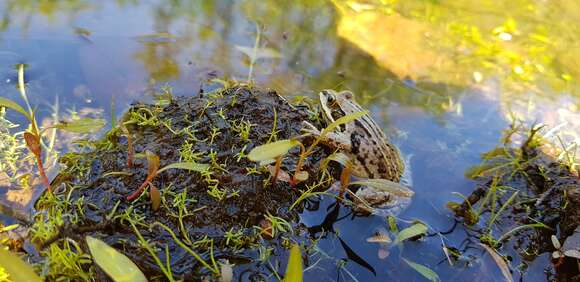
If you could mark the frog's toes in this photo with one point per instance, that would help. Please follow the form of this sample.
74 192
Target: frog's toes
310 129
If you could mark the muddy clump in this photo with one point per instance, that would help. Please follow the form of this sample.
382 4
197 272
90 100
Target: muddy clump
527 196
230 212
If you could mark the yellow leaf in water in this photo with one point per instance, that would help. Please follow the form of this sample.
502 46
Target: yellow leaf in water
294 268
16 268
7 103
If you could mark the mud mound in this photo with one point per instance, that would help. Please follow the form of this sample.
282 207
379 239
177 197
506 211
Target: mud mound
228 213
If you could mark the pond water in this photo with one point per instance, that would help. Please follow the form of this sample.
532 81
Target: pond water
443 78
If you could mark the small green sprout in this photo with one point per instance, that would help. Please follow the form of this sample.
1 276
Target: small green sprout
214 133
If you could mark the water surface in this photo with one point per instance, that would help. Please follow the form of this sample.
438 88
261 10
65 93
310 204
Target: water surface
443 78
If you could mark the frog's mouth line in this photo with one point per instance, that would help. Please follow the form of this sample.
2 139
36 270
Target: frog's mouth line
337 113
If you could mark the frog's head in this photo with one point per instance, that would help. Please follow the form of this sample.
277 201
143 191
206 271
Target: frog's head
336 104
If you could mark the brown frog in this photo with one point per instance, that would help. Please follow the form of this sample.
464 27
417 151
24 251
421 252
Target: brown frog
369 151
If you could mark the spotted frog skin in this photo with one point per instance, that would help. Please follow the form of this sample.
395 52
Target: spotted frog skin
370 153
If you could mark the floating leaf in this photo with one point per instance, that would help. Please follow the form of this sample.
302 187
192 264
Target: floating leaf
155 197
115 264
500 263
259 53
186 165
423 270
16 268
82 125
414 230
7 103
387 186
272 150
294 267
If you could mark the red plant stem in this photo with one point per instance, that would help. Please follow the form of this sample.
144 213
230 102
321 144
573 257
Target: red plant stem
303 155
43 174
138 192
277 170
129 146
344 181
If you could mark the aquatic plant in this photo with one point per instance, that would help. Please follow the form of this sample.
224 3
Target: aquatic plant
33 136
153 170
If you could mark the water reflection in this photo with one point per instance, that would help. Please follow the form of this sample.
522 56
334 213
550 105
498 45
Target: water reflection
443 77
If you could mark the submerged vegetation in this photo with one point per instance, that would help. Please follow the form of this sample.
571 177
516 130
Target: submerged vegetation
526 199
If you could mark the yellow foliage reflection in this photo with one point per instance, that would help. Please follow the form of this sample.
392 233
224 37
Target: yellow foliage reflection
396 43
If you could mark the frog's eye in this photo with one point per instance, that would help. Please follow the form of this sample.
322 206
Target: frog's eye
330 98
347 95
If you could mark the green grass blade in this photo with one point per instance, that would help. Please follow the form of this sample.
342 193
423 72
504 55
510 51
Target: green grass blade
7 103
410 232
186 165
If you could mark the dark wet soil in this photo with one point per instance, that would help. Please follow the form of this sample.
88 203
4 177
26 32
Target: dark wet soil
548 192
94 185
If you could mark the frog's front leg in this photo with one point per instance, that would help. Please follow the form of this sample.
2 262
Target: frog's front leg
336 140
